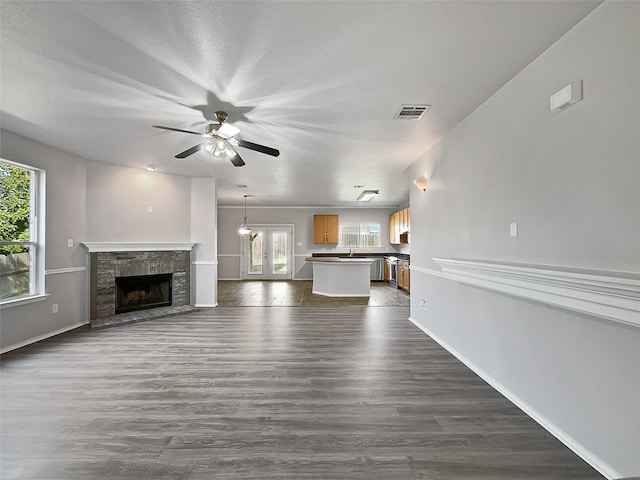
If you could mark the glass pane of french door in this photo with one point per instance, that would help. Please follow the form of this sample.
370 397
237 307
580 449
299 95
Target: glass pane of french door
255 263
267 253
279 253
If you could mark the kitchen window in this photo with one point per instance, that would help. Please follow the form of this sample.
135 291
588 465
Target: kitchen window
21 232
352 236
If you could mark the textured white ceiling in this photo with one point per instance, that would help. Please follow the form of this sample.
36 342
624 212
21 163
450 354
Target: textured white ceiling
320 81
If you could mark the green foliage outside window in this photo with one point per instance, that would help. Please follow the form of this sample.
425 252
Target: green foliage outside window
15 206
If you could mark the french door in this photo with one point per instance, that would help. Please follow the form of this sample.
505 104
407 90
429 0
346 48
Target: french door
267 253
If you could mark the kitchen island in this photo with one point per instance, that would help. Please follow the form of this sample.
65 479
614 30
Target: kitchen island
341 276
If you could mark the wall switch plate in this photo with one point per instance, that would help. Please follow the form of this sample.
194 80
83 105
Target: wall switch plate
55 308
149 209
513 229
70 242
423 304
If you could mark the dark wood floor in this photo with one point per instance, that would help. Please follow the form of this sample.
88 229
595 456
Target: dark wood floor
353 392
297 293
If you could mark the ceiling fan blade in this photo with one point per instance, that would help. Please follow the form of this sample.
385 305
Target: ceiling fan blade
176 129
236 160
258 148
228 131
191 151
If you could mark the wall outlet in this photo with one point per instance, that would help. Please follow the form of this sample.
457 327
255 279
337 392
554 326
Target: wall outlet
55 308
70 243
513 229
423 304
149 209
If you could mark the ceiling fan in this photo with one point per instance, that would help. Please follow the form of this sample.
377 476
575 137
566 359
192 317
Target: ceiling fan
221 141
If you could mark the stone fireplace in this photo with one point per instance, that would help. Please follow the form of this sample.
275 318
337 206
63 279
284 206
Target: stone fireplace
135 282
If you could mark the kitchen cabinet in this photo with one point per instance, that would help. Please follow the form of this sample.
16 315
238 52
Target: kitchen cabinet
399 224
393 228
403 275
325 229
404 220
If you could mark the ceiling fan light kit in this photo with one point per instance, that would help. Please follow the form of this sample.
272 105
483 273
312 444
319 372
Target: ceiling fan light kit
219 148
221 141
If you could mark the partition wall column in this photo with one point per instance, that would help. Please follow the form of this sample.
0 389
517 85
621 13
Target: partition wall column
204 221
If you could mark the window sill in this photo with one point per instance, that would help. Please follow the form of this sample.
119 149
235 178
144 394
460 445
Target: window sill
22 301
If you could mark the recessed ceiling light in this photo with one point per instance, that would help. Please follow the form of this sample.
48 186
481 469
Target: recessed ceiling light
368 195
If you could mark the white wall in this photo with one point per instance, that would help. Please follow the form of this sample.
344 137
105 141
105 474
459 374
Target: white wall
65 219
230 218
89 201
572 182
118 199
204 269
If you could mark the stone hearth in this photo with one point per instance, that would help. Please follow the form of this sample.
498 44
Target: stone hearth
131 261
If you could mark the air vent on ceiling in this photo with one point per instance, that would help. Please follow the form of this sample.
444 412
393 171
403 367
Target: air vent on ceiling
412 112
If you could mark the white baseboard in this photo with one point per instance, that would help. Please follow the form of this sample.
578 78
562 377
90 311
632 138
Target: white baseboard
579 449
205 305
43 337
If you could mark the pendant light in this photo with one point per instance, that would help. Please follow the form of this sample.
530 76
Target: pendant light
244 228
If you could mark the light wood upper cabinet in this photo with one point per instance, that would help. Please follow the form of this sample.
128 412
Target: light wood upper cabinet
325 229
333 234
393 229
399 222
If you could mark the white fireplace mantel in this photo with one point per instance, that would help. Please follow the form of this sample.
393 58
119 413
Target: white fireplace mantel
136 246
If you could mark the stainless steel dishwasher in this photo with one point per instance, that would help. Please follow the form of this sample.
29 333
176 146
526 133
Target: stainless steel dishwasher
377 270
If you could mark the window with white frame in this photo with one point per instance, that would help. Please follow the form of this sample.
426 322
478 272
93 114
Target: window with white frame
21 256
353 236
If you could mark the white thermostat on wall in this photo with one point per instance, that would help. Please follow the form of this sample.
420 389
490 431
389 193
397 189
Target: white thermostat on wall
566 97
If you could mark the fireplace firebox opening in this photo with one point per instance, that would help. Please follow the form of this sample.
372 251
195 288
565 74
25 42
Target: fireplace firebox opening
142 292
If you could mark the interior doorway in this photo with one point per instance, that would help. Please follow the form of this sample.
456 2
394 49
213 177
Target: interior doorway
267 253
